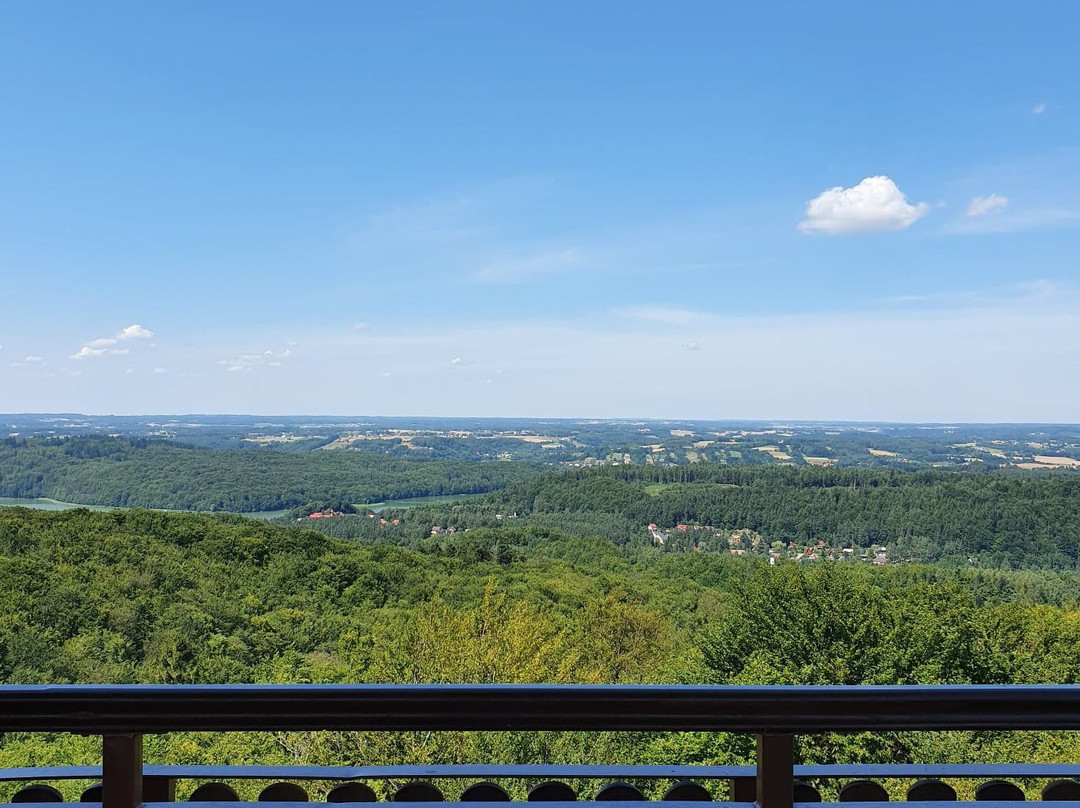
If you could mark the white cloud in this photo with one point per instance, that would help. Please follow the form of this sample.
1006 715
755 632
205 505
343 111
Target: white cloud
135 331
361 326
663 314
982 205
1038 109
874 204
34 360
159 371
271 357
130 371
524 268
457 361
693 345
103 346
1039 219
88 352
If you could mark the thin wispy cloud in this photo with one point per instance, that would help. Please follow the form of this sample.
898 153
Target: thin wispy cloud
982 205
514 233
1015 222
667 315
519 269
1038 109
1041 290
247 362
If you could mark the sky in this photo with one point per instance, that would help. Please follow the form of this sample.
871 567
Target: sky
820 211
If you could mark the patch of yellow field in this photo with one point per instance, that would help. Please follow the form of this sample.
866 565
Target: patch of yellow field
1049 460
527 438
267 440
344 442
774 451
978 448
701 444
882 453
819 461
680 433
693 457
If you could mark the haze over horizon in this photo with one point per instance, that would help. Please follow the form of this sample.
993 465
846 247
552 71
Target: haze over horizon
789 212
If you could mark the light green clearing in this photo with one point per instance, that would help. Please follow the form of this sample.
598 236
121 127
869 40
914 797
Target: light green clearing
45 504
411 502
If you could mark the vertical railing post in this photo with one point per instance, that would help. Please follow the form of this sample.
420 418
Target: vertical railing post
775 771
121 771
159 789
742 789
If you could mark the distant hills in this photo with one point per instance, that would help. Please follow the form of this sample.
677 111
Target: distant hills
588 442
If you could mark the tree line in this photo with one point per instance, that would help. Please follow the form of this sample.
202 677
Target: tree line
132 472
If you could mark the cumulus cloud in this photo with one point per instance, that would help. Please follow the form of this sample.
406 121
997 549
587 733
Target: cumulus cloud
88 352
874 204
1038 109
106 346
135 331
982 205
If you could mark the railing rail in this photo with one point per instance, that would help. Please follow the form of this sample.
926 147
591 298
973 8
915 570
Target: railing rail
150 709
122 714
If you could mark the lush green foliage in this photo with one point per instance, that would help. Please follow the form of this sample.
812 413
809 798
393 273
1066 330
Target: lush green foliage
155 474
959 519
140 596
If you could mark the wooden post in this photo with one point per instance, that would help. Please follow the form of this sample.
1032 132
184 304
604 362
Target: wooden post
775 771
742 789
159 789
121 771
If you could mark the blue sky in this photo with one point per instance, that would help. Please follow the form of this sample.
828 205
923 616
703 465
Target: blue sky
831 210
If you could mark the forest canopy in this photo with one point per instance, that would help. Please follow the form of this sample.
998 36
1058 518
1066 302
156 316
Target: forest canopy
142 596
